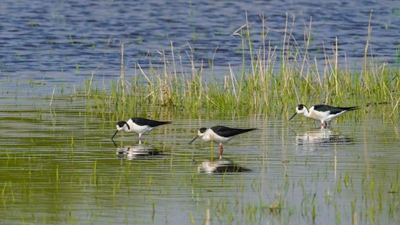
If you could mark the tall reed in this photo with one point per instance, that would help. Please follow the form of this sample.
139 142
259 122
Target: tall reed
271 80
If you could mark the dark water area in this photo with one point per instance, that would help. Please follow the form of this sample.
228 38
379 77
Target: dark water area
64 41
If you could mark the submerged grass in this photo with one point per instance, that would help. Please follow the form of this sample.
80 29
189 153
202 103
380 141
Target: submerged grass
270 81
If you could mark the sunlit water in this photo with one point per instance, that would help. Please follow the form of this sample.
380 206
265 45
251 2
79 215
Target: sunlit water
61 166
65 41
58 164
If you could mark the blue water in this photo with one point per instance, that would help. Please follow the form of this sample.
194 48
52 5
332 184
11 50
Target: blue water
59 165
64 41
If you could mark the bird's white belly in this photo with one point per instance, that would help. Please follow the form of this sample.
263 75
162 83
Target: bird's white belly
319 115
140 129
211 136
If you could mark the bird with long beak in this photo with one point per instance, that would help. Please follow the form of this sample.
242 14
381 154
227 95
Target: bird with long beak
138 125
219 134
322 113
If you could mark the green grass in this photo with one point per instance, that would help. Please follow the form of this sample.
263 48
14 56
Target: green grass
273 83
270 84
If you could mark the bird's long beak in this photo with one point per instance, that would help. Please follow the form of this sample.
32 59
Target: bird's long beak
114 135
193 139
293 116
115 144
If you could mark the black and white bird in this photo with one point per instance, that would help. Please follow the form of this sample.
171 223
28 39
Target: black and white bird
220 134
322 113
138 125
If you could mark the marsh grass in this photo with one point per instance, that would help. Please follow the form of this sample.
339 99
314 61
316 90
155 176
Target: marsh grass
271 80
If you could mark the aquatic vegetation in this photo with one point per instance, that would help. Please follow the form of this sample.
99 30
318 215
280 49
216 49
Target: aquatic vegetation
271 79
61 159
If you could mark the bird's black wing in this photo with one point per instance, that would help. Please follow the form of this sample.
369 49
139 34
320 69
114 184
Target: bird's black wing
323 108
229 132
152 123
334 110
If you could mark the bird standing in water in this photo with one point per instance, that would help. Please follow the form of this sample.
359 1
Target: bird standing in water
220 134
138 125
323 113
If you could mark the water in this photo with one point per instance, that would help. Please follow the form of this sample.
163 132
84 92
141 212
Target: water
60 166
64 41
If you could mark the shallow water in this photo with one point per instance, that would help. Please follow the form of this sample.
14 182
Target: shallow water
61 166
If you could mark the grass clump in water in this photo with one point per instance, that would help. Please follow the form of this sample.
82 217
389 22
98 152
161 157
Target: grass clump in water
271 81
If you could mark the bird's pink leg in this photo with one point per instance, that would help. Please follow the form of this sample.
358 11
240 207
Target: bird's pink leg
140 139
221 150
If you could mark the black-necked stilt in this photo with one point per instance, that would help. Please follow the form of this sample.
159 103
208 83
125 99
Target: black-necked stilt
323 113
138 125
220 134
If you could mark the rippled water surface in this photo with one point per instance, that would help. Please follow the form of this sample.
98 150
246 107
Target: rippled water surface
64 41
58 164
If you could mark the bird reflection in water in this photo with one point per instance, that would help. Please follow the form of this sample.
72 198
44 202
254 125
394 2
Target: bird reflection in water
220 165
320 138
139 151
